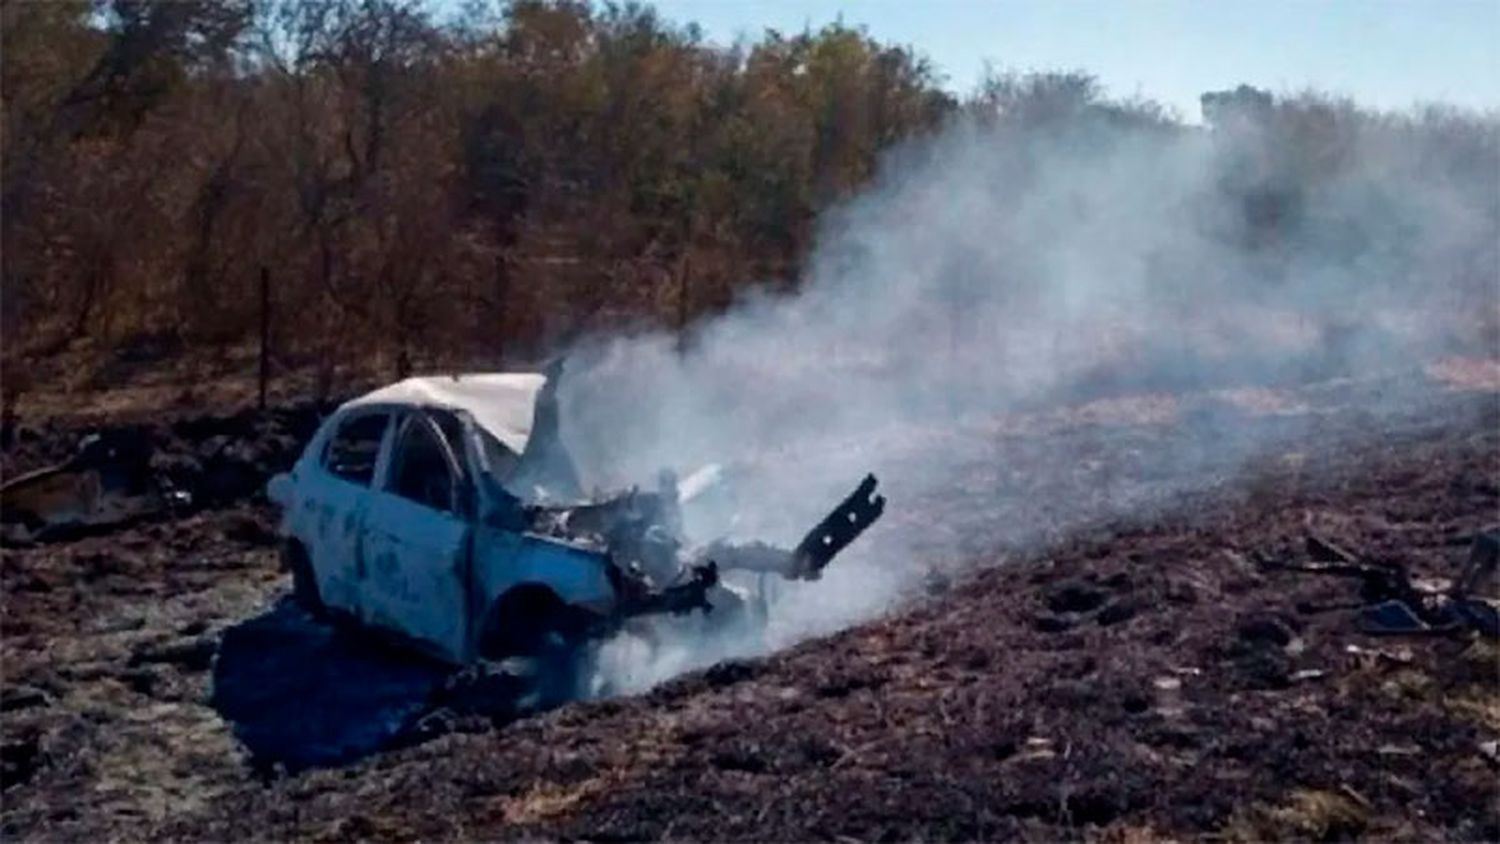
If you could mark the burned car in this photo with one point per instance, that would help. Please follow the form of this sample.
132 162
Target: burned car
447 511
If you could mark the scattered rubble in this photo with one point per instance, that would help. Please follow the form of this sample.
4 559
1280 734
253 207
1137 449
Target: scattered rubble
1392 602
62 484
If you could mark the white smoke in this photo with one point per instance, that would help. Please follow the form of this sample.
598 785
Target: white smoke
1012 263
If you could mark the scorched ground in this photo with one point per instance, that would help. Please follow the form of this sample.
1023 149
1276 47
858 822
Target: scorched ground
1144 674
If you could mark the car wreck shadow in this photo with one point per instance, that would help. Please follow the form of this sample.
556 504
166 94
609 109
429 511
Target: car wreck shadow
300 693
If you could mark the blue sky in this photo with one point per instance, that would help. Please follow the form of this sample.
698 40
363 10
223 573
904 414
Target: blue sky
1386 53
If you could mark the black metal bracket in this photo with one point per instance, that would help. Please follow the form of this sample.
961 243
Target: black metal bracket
839 528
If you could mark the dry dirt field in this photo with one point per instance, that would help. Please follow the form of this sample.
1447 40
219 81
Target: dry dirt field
1118 677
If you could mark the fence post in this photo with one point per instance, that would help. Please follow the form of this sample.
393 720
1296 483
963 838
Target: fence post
265 335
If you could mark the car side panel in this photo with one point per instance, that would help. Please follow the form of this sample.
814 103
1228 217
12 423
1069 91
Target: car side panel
335 511
326 514
414 558
579 575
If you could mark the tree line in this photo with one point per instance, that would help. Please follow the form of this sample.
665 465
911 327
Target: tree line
479 188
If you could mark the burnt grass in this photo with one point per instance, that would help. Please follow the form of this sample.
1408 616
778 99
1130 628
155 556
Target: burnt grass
1149 677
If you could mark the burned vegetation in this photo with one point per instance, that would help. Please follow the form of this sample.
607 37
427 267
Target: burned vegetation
1199 670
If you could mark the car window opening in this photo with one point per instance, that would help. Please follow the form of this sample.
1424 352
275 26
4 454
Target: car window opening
421 472
354 448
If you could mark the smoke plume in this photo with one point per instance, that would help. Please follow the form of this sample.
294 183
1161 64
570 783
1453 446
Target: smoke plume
1040 253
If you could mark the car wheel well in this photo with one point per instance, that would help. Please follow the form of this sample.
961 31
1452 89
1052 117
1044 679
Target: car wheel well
521 618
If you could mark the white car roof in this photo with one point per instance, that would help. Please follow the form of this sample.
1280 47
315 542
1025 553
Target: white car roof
503 403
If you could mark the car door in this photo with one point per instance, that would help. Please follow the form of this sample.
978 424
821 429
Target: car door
334 498
417 534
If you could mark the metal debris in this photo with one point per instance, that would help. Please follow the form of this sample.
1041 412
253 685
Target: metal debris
1392 602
